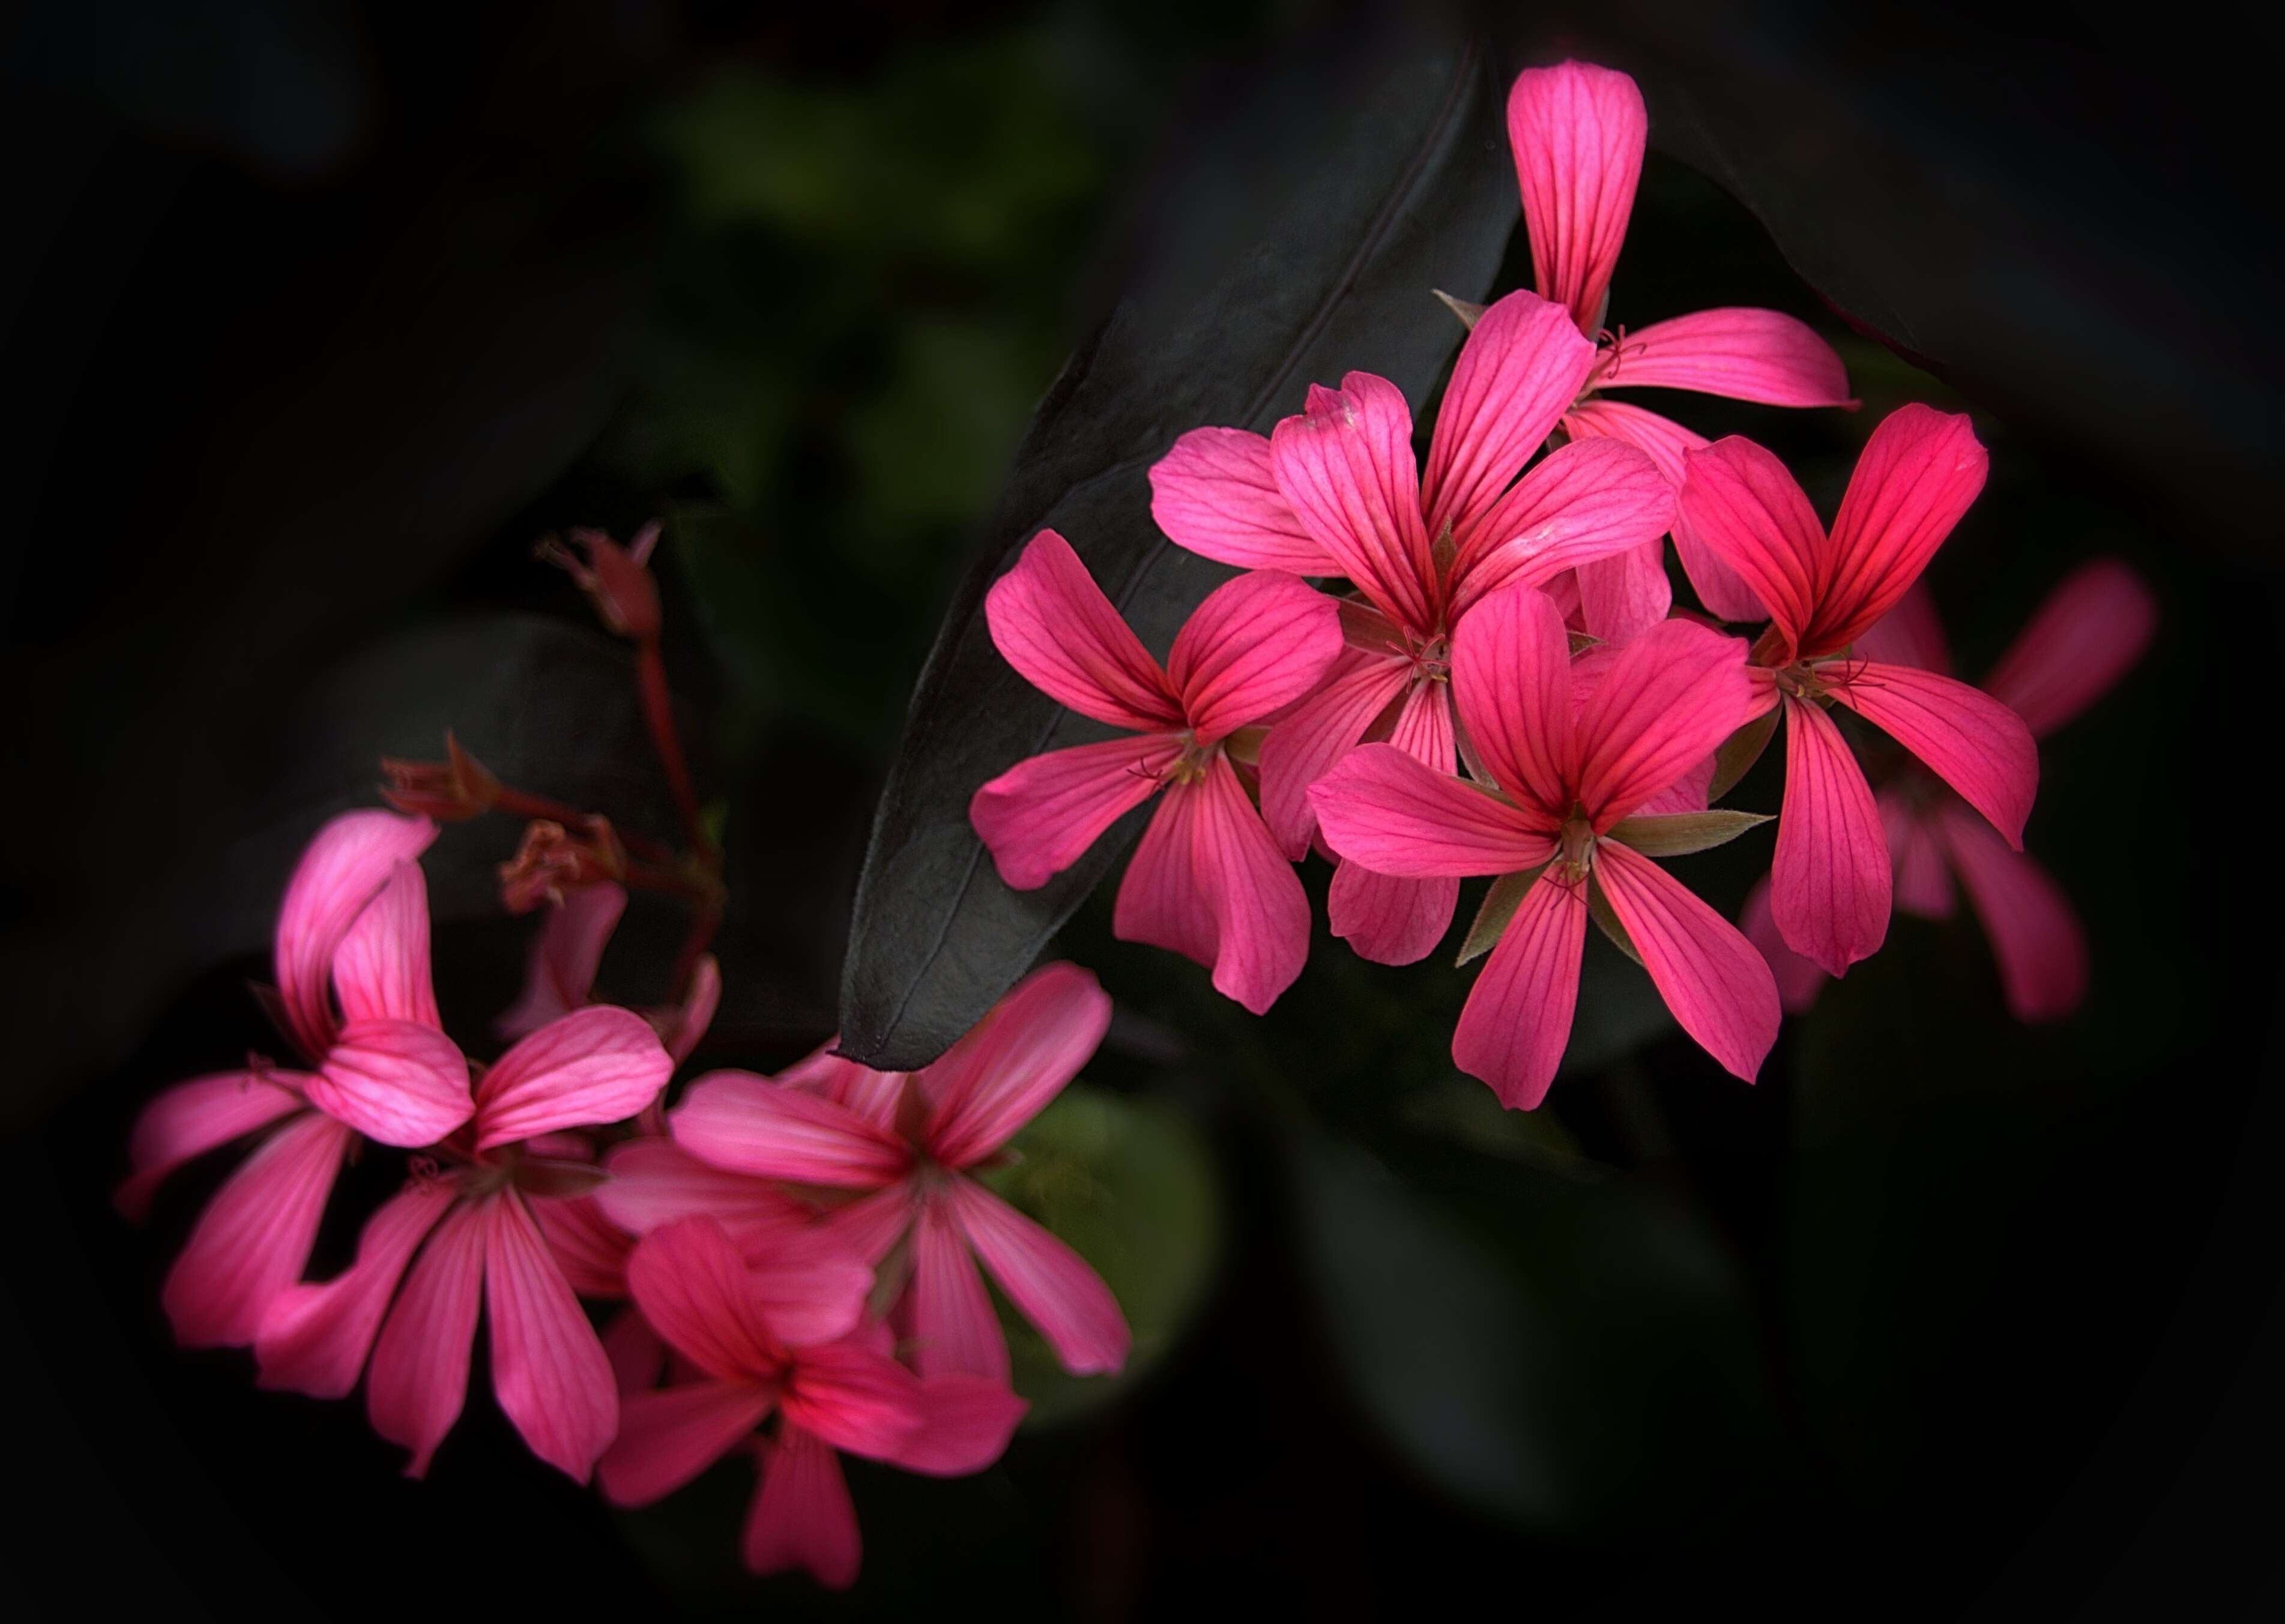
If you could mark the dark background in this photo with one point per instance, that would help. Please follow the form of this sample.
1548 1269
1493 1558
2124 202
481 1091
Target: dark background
316 317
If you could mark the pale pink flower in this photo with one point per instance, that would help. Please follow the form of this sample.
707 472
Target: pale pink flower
756 1348
463 1235
899 1149
1206 880
354 1000
2088 634
1831 887
1336 491
1578 133
1571 776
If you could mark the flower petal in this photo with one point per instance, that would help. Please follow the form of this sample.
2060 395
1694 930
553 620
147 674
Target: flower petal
1384 810
1038 818
1970 740
852 1396
966 1422
560 973
801 1516
2086 636
1517 1018
1742 354
1799 981
1017 1058
1052 623
1393 921
1591 500
1309 739
1512 683
315 1337
1669 699
1718 986
693 1285
254 1237
654 1181
749 1124
2035 934
1523 363
1738 502
1050 1284
1916 476
954 1331
1578 133
1830 884
549 1370
595 1066
420 1374
1624 595
349 859
397 1082
668 1436
1214 493
1255 645
1347 466
192 1118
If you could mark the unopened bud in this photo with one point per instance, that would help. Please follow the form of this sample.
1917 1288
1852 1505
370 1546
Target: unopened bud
617 578
452 791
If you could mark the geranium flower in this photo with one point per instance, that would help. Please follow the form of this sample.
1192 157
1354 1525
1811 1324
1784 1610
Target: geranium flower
1206 880
1564 815
1831 886
353 927
1336 491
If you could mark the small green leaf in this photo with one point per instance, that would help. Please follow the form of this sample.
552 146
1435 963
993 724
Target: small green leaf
1679 834
1740 752
1499 906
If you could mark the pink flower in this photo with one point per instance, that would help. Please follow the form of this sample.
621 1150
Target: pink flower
2090 631
836 1388
466 1235
1335 492
1572 769
1578 133
353 927
1831 883
899 1150
1206 881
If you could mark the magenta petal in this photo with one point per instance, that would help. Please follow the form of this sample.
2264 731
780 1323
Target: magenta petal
954 1331
192 1118
654 1181
1511 682
1799 981
749 1124
254 1237
349 859
1668 702
1830 884
560 973
1215 494
398 1082
1050 1284
1578 133
1316 733
1347 466
2035 933
1017 1058
1590 500
1517 1018
1743 354
1523 363
1627 593
853 1397
1051 621
1917 476
2086 636
420 1374
1384 810
315 1337
595 1066
380 969
668 1436
1719 988
549 1370
1255 645
966 1422
1970 740
691 1284
1739 503
1039 817
801 1516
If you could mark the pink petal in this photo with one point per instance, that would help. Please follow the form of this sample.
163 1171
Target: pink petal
1050 1284
1052 623
315 1337
654 1181
1671 698
954 1331
1718 986
1347 466
192 1118
595 1066
693 1285
2035 934
1971 740
1578 132
1742 354
801 1516
254 1237
1739 503
1383 809
2086 636
1667 443
1214 493
565 956
1303 746
1041 815
1590 500
395 1082
1517 1018
1626 594
549 1370
1523 363
1393 921
1923 882
1017 1058
1910 634
1916 476
668 1436
749 1124
853 1397
1512 681
380 969
420 1375
1255 645
966 1422
1208 882
1799 981
349 859
1830 884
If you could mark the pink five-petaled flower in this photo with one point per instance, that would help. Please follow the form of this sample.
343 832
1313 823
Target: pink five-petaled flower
763 1341
354 926
1831 888
1336 491
1206 880
1569 774
1578 133
905 1145
2089 632
470 1222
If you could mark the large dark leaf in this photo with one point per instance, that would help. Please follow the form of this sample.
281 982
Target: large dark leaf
1296 236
